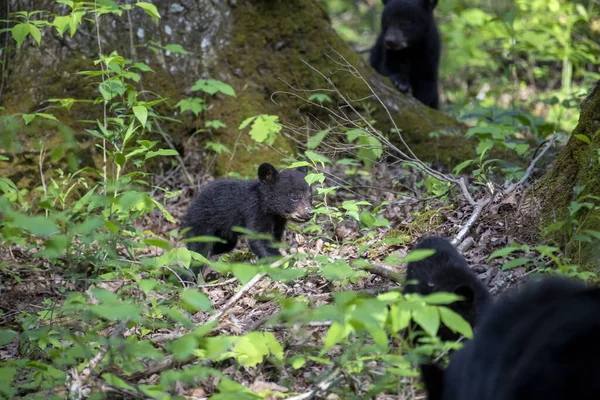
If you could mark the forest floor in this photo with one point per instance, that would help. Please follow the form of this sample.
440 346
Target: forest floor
410 216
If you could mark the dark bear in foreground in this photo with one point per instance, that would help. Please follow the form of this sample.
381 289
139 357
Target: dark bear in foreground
447 271
408 48
540 344
262 205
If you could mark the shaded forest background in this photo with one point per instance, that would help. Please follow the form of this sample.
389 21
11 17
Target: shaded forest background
113 114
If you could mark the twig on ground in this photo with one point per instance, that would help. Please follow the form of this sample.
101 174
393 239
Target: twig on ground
384 272
529 170
224 283
77 382
168 362
245 289
474 216
481 204
321 387
466 244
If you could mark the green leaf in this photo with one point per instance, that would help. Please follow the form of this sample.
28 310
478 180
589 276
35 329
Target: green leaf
428 318
594 234
192 104
455 322
275 348
141 113
184 347
184 256
113 309
55 246
6 336
150 9
504 252
47 116
28 118
19 33
7 376
194 300
61 23
176 49
161 152
462 166
297 361
312 178
400 318
160 243
370 149
320 97
36 225
35 33
441 298
517 262
335 334
315 140
418 255
213 86
75 21
265 129
246 122
244 272
142 67
146 285
583 138
484 146
337 270
215 124
251 349
120 159
317 158
352 134
367 219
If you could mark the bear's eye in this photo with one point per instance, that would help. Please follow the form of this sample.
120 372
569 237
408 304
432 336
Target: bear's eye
294 197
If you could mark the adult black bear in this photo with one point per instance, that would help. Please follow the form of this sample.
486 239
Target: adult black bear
262 205
408 48
541 344
447 271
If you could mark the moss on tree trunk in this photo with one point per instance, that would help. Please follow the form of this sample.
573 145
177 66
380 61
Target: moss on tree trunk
259 47
577 166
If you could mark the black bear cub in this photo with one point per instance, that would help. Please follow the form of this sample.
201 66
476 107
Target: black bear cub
408 48
262 205
540 344
447 271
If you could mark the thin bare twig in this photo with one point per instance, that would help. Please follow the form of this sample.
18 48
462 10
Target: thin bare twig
481 204
321 387
529 170
77 382
245 289
168 362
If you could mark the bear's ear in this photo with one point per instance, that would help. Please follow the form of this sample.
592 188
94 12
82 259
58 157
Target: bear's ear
384 2
303 169
267 172
429 4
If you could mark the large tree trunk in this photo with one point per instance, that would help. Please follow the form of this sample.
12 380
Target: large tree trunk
577 165
259 47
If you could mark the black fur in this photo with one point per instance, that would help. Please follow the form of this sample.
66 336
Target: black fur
262 205
447 271
540 344
408 48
